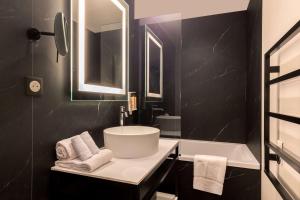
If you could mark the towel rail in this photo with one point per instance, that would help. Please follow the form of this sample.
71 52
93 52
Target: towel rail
279 153
295 120
274 69
282 191
285 77
295 164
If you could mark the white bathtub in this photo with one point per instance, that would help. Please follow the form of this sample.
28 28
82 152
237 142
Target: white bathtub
238 155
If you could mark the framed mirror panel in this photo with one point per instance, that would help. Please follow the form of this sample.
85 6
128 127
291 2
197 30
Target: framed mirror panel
154 64
99 48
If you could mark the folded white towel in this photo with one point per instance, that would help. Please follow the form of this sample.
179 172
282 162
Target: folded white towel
88 140
65 150
209 173
96 161
81 148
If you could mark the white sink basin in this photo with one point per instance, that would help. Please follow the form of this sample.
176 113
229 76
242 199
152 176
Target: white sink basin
132 141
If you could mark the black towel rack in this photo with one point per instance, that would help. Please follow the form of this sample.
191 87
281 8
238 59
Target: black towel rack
277 153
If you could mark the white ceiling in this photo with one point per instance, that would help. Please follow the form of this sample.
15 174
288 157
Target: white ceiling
187 8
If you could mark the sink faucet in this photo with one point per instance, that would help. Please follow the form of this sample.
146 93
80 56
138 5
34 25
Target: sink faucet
123 115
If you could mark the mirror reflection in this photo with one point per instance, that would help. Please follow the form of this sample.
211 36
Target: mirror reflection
100 48
154 64
159 39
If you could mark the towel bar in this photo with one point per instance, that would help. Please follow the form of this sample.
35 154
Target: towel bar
279 153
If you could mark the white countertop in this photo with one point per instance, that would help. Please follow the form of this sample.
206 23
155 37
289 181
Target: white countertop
131 171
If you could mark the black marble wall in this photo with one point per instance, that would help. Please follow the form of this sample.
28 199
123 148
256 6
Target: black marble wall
15 108
30 127
214 75
254 77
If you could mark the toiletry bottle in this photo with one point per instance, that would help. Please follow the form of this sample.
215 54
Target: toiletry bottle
134 102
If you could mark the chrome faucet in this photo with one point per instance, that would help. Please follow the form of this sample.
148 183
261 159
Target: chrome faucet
123 115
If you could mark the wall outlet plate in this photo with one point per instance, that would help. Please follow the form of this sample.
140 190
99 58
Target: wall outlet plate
33 86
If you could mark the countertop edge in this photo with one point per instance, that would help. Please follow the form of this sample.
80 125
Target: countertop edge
87 174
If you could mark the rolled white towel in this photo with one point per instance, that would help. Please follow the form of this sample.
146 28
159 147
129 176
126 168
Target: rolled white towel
88 140
81 148
104 156
65 150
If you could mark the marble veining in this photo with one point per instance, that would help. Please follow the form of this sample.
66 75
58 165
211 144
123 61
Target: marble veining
4 89
98 108
221 131
214 60
220 38
231 175
54 109
17 175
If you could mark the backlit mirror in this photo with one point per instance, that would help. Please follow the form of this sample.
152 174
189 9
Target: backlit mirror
159 43
154 64
99 49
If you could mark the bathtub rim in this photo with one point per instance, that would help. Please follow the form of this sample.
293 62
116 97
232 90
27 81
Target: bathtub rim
252 164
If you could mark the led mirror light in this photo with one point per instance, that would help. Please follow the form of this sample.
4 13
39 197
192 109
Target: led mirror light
82 85
150 36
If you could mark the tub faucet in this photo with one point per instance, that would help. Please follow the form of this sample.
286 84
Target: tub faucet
123 115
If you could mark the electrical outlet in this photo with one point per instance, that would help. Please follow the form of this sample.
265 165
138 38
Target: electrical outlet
33 86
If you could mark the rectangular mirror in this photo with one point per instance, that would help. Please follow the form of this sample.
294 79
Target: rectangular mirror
158 41
154 64
99 63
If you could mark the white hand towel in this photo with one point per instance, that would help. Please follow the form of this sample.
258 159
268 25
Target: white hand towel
88 140
81 148
104 156
65 150
209 173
